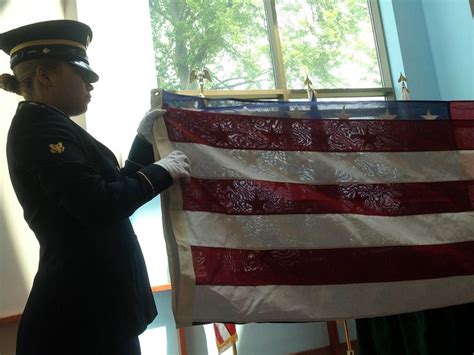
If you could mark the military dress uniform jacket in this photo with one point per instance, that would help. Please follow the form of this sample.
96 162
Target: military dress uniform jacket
91 275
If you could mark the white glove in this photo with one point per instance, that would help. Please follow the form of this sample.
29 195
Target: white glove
145 128
176 164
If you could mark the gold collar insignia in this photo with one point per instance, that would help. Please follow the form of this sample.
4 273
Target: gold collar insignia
57 148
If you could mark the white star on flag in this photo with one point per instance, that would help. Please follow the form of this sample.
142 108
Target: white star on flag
429 116
388 116
343 115
296 113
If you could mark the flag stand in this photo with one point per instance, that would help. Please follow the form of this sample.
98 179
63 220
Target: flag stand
181 333
348 339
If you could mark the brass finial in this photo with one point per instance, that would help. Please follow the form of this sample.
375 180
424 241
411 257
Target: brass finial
200 75
405 91
312 93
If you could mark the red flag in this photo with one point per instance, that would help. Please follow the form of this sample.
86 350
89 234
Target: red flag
226 336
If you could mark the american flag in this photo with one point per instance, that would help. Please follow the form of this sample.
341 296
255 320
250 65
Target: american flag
226 336
298 213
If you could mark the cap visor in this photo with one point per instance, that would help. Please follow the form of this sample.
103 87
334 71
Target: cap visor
90 75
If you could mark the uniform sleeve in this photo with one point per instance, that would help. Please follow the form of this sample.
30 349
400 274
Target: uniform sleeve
141 154
93 194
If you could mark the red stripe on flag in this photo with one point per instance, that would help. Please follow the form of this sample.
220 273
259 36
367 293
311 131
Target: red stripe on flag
462 110
219 338
231 329
256 197
235 267
269 133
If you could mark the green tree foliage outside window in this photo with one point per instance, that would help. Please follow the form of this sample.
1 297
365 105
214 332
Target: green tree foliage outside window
216 35
329 40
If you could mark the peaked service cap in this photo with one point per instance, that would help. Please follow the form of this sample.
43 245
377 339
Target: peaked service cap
65 39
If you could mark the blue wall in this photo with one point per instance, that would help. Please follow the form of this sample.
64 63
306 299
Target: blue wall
450 28
431 42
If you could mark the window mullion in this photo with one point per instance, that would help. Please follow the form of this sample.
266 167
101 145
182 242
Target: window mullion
275 47
380 46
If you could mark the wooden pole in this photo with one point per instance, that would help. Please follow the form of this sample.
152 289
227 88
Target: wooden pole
182 341
348 339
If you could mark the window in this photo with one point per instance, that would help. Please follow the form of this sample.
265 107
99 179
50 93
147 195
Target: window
266 48
228 38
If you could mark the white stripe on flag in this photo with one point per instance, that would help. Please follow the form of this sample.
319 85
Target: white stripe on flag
328 168
328 302
324 230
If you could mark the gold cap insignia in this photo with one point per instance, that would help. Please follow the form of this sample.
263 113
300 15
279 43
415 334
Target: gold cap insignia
57 148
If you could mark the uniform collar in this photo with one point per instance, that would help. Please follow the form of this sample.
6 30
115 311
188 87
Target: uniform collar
34 103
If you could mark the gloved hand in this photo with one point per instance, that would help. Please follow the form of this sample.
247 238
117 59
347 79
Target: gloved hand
176 164
145 128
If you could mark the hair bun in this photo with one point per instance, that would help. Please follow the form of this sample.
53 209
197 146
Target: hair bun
9 82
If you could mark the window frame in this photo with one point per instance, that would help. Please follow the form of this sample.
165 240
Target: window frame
282 92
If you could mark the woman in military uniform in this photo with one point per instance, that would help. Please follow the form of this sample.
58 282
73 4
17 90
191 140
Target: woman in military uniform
91 293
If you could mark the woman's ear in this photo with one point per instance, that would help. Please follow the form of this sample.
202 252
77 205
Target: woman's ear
43 76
